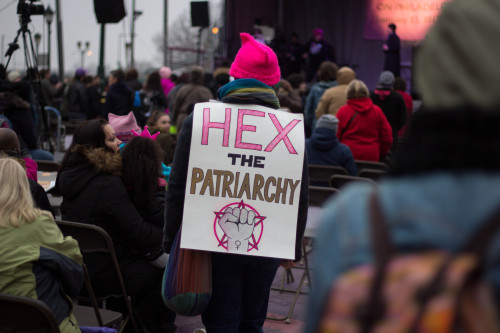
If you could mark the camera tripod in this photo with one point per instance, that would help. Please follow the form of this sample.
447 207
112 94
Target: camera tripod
31 61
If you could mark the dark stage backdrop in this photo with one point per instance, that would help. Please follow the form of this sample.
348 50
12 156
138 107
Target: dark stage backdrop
341 20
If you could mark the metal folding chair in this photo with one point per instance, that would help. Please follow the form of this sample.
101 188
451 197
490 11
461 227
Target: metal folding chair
94 239
317 197
24 314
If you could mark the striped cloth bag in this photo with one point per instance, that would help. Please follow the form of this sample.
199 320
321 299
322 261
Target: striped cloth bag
187 282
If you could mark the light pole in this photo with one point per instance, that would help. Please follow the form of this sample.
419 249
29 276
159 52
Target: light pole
83 50
135 15
49 16
38 38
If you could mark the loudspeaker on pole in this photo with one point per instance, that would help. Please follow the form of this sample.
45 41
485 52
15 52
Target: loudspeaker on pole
199 14
109 11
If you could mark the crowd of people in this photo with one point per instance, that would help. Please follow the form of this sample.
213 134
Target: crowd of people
126 169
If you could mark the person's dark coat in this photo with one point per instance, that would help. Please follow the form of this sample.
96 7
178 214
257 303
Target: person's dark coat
93 193
134 84
95 105
324 148
317 52
394 108
39 196
18 112
392 55
78 100
119 99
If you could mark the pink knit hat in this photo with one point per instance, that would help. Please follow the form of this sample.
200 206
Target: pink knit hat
255 61
123 126
165 72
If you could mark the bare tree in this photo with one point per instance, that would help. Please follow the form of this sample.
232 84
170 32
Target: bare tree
183 39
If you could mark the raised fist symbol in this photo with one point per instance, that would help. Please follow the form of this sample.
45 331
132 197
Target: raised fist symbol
238 225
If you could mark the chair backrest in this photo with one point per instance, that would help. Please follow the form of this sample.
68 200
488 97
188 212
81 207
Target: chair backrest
370 165
48 166
338 181
318 195
320 174
20 314
372 174
94 239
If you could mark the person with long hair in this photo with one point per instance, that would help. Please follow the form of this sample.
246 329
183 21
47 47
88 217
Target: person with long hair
141 169
160 122
35 259
93 192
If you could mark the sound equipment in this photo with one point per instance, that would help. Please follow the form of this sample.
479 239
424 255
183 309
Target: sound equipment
109 11
199 14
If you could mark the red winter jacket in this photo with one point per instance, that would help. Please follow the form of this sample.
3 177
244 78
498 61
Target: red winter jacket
369 135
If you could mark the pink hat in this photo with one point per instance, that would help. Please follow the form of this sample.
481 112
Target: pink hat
165 72
123 126
318 31
255 61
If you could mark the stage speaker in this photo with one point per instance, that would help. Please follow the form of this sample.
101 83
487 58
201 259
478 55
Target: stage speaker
109 11
199 14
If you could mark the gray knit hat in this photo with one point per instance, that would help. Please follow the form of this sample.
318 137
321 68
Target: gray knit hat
328 121
458 63
385 80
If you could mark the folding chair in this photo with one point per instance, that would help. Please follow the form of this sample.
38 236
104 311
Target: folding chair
372 174
320 174
339 181
19 314
47 166
94 239
370 165
319 195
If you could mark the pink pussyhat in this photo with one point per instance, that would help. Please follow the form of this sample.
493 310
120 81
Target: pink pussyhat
146 134
255 61
123 125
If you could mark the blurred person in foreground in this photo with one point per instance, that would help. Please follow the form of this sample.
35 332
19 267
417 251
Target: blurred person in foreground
445 181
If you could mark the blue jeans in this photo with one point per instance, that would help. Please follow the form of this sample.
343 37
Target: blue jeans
39 154
240 293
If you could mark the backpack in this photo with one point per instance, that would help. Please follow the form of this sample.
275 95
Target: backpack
429 291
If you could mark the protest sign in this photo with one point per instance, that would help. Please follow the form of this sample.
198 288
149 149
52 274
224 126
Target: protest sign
243 182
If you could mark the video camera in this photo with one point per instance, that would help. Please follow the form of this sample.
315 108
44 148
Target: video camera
26 8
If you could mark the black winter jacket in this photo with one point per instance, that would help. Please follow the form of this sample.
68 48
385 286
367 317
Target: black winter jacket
93 193
119 99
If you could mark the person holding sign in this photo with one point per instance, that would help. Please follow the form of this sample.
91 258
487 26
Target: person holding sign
239 186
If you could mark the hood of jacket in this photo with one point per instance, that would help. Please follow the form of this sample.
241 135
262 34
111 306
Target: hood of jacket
120 88
83 165
361 105
323 139
326 84
345 75
382 93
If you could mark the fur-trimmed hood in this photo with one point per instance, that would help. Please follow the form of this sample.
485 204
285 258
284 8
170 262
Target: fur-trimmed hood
104 160
84 165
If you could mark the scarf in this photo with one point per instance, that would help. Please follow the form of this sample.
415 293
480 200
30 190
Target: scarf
248 91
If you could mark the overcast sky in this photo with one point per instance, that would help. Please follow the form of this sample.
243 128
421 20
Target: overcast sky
80 24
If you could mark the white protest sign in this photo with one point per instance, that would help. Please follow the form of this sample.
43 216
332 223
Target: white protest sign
244 179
